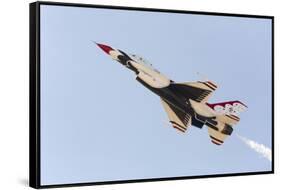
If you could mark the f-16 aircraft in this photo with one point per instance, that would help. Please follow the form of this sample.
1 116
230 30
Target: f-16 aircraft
185 103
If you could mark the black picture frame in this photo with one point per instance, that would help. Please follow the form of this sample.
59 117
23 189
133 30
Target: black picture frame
34 98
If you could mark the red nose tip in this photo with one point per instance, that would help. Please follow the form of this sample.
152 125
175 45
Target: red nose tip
105 48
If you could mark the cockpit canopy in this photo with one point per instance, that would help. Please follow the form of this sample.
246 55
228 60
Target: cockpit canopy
143 61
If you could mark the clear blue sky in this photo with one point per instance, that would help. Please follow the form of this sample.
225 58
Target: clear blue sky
99 124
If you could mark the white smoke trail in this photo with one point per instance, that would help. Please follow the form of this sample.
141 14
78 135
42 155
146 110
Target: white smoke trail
259 148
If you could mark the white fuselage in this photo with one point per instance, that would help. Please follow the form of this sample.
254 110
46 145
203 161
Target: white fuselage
150 76
147 74
155 79
202 108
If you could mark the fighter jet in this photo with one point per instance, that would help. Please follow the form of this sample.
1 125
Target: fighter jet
185 103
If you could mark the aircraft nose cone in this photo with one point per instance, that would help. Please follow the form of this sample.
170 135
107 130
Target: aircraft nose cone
105 48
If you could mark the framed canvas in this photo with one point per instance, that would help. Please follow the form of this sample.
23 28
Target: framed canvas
101 113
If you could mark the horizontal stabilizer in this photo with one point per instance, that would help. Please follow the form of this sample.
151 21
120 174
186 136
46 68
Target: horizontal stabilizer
216 136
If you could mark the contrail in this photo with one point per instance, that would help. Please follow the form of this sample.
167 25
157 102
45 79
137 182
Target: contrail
259 148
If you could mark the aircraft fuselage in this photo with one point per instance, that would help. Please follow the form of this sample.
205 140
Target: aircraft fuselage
160 85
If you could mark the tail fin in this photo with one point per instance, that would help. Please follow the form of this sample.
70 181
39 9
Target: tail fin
228 108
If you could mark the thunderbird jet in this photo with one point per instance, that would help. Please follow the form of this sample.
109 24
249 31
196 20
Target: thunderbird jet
185 103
